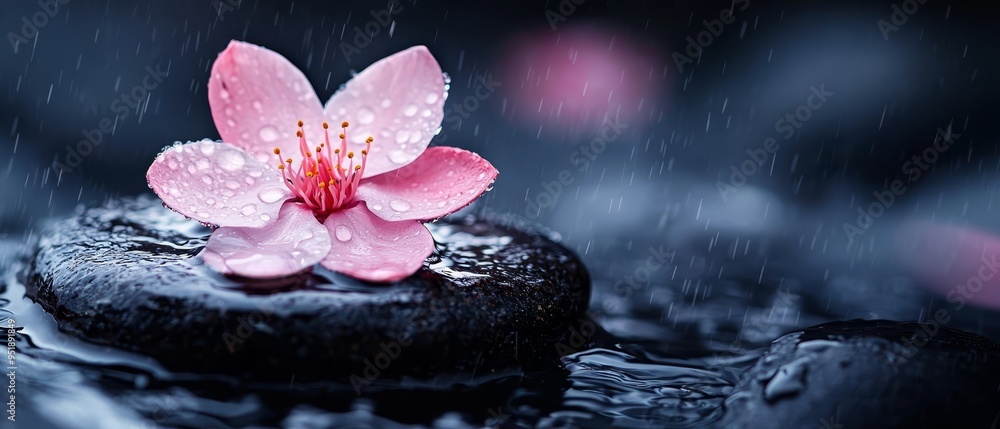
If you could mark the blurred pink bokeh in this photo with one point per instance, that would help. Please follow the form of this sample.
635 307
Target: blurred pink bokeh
576 77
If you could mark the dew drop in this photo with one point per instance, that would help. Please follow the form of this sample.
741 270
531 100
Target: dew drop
431 98
265 217
230 160
255 173
192 169
410 110
268 134
248 209
172 164
207 148
231 123
210 201
257 106
249 180
377 206
386 103
426 113
366 116
202 164
399 205
442 203
402 136
207 179
232 184
270 195
342 232
398 157
224 94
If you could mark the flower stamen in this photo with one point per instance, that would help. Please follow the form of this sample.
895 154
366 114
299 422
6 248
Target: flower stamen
321 180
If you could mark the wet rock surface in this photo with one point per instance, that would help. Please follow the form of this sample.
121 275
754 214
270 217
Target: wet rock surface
870 374
489 299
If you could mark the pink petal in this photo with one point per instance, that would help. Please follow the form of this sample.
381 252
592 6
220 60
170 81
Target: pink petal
440 182
368 248
217 183
399 101
257 98
959 263
294 242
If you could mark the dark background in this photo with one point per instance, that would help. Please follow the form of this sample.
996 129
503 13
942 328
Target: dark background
939 67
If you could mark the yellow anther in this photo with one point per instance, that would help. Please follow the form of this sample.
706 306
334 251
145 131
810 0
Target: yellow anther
322 184
364 151
357 167
281 166
319 149
369 139
350 154
289 160
336 151
277 151
344 125
342 136
300 122
309 154
298 133
326 125
309 174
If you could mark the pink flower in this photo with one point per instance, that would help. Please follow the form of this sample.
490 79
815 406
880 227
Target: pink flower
285 196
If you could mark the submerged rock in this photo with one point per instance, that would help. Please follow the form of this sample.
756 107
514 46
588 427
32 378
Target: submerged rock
870 374
489 299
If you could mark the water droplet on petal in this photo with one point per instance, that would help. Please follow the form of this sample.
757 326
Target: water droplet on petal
265 217
402 136
248 209
366 116
410 110
386 103
231 123
207 149
257 106
398 157
431 98
207 179
399 205
232 184
230 160
224 94
268 134
377 206
270 195
342 232
442 203
172 164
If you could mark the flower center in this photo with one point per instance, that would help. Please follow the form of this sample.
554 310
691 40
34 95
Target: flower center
325 181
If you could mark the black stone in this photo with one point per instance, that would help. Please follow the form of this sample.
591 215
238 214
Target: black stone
870 374
489 299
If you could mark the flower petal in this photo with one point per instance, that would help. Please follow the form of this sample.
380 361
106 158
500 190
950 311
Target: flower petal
440 182
368 248
217 183
399 101
294 242
257 97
